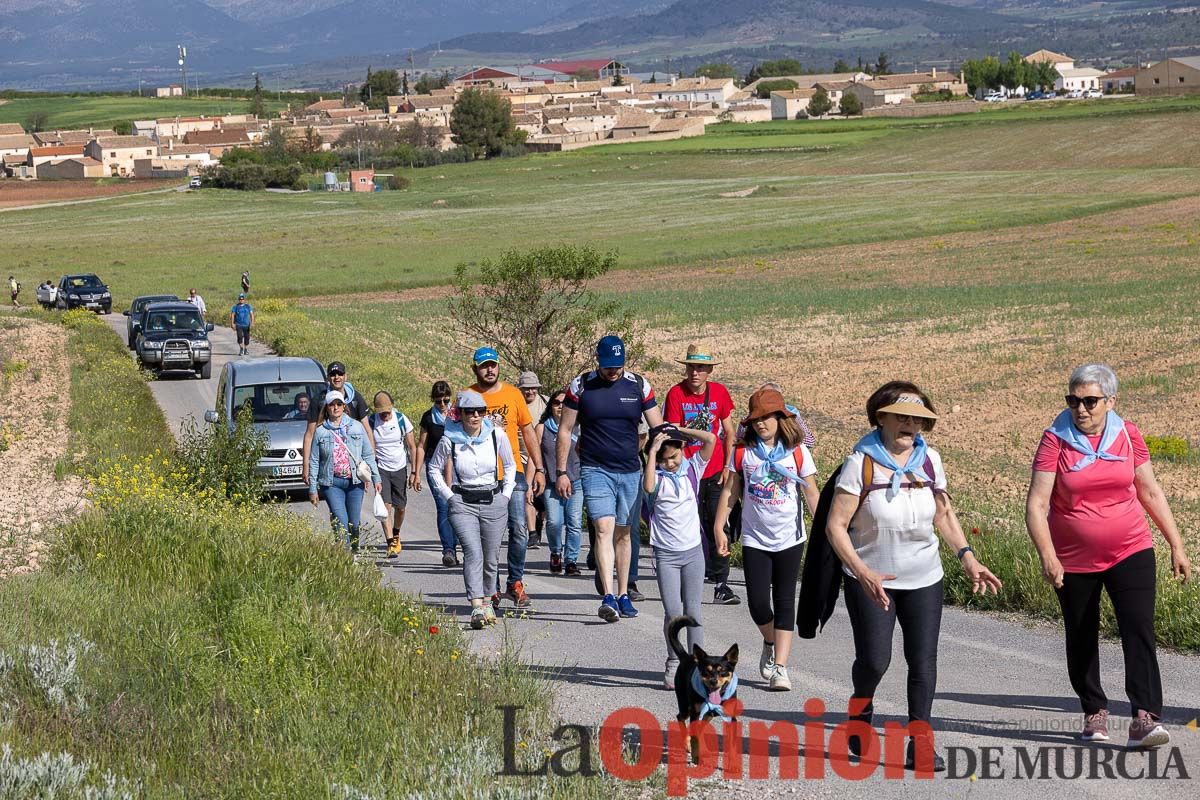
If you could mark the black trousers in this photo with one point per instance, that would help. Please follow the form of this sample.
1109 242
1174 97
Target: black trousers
1131 586
716 567
920 614
771 579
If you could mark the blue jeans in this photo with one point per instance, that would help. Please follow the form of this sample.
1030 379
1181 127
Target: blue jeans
444 528
345 501
518 531
568 512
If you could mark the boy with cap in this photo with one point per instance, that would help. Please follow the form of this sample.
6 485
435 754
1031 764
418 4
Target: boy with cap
508 411
356 407
698 403
241 319
531 390
607 404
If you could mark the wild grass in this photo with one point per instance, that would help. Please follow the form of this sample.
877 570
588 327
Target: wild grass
886 182
232 652
84 111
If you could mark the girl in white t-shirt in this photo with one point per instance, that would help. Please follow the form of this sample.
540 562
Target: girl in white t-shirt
671 484
772 467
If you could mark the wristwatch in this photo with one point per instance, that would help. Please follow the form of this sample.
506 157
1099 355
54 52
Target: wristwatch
540 469
560 473
964 551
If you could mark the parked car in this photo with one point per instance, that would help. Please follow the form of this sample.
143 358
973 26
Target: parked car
275 389
1050 96
195 182
1093 94
133 321
1075 94
83 291
995 97
1036 96
173 336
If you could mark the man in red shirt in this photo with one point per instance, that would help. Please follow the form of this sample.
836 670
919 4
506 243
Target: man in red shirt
698 403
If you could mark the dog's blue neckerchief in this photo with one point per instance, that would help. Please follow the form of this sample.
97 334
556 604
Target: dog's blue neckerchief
709 707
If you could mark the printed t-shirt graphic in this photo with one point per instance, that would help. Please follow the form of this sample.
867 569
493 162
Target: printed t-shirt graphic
689 410
508 411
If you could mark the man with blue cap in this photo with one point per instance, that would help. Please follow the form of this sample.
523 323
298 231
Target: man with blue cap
508 411
608 404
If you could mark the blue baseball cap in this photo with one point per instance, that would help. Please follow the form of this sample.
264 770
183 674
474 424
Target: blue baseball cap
610 352
485 354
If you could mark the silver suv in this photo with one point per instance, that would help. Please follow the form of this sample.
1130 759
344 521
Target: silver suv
279 392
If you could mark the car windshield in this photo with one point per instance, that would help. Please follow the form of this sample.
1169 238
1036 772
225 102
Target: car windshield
187 320
84 282
142 302
277 402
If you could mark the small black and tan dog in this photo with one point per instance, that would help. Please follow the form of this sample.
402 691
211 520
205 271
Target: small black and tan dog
702 682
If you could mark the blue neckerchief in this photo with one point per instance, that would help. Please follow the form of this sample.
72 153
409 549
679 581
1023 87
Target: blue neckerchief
552 426
770 461
455 433
709 707
436 416
872 446
675 476
1064 428
348 390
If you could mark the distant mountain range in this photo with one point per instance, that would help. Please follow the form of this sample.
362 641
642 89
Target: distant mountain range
107 43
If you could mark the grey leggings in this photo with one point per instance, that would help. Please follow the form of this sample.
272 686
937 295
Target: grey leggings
681 584
480 529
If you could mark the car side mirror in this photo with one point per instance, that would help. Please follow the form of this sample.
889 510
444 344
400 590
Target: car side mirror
125 313
208 327
210 417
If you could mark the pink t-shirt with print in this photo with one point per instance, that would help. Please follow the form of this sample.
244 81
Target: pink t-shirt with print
1095 517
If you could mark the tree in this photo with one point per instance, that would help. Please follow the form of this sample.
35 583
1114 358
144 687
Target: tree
850 104
715 70
819 104
418 134
275 146
1045 74
481 122
404 83
536 309
841 66
764 89
312 141
586 74
378 86
618 79
123 127
257 107
36 122
883 66
428 82
982 73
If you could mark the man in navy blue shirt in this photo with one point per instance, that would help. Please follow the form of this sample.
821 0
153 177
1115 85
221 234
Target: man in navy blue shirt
608 403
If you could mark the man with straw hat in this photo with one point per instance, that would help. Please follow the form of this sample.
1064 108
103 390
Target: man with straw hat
699 403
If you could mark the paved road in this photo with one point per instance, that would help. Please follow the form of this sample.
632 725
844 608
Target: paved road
1001 684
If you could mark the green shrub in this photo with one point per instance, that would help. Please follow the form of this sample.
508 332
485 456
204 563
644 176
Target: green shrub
398 182
764 89
224 461
1169 448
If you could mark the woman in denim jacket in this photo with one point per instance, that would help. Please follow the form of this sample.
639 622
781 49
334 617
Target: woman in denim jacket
340 443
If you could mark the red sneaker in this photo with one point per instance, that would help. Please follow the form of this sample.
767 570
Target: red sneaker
516 593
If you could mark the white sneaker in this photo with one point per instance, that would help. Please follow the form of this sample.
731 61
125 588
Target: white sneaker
766 661
669 674
779 680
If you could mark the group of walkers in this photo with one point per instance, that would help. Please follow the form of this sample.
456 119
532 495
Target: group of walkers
700 478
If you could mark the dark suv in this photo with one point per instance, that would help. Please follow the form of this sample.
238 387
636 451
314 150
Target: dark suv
173 336
83 291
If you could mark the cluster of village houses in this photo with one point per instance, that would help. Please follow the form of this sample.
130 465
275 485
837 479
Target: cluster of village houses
555 109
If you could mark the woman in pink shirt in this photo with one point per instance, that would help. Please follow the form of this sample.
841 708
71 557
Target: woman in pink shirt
1091 487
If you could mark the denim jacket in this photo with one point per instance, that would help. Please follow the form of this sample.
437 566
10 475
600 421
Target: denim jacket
320 460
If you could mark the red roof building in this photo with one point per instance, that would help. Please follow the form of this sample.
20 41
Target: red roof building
604 67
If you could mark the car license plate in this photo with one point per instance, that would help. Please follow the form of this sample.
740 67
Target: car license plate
293 469
91 305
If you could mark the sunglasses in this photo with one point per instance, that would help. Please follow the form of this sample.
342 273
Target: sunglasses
1087 402
478 412
335 404
336 374
556 403
441 401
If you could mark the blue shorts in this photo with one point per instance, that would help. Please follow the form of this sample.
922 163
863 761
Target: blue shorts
609 494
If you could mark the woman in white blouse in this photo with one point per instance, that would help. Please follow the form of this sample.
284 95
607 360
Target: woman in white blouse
473 470
891 494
